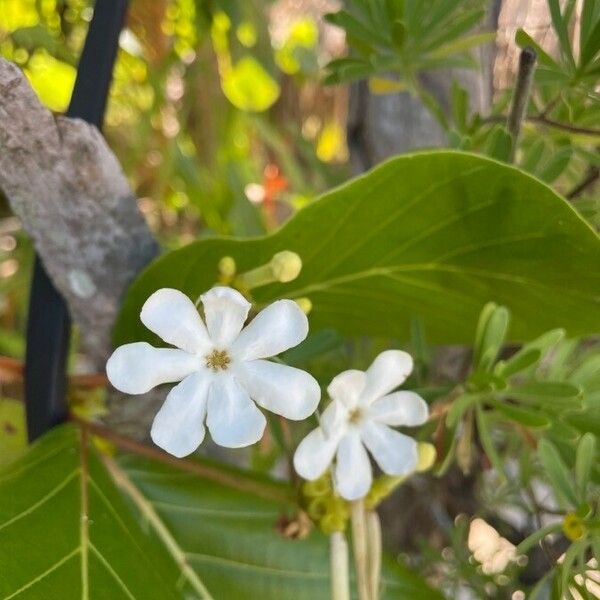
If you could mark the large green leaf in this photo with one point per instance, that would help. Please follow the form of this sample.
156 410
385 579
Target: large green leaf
77 524
433 235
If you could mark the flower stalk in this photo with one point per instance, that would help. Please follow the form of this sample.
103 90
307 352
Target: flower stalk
284 267
340 580
360 547
374 546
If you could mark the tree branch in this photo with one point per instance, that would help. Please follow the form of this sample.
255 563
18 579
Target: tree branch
69 191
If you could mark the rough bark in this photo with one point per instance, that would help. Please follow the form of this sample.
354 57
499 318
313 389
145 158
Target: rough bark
68 189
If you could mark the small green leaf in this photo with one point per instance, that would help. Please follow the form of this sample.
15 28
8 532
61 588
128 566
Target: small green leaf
524 40
463 43
552 393
524 416
558 474
585 456
521 360
398 33
490 337
499 144
561 28
592 46
459 406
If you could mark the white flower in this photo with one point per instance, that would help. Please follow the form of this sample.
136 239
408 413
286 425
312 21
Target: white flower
220 367
359 415
489 548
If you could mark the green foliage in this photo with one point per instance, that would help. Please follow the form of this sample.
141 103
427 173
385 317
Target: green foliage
132 527
478 231
406 37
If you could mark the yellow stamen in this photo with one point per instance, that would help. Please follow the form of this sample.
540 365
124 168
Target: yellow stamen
218 360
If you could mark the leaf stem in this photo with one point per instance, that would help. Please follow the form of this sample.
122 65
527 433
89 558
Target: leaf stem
374 546
359 544
520 97
340 579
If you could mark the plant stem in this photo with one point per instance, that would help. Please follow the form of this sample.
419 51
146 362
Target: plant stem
593 174
374 545
589 131
520 97
340 580
359 544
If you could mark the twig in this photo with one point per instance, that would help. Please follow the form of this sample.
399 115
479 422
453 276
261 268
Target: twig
359 544
235 481
548 123
592 176
520 97
340 580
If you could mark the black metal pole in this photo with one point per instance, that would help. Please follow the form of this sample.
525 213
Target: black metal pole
49 324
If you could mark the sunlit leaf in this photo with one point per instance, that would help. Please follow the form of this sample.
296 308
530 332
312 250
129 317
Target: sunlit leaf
15 14
433 235
51 79
248 86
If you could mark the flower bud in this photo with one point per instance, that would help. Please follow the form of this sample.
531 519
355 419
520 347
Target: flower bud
227 267
286 266
305 305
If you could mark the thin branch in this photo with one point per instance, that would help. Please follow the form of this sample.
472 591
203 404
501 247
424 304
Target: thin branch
235 481
548 123
520 97
591 177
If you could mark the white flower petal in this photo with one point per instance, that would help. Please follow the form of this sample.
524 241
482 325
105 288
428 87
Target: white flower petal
280 326
347 387
173 316
393 451
388 371
178 426
286 391
314 454
399 408
226 311
353 475
137 368
334 419
233 419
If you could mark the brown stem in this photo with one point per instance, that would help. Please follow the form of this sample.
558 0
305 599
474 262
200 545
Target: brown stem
235 481
548 123
591 177
520 97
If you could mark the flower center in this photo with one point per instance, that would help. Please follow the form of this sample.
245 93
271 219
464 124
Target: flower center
355 416
217 360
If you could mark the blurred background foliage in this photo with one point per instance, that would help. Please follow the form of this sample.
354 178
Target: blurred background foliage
228 116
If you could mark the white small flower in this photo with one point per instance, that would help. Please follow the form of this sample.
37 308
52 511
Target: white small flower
359 416
489 548
220 367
